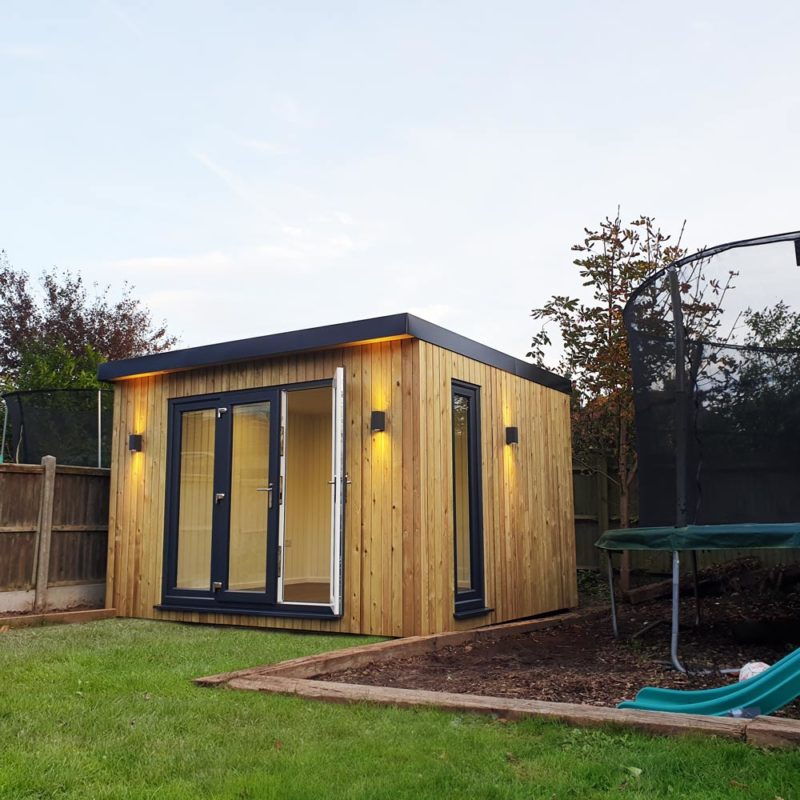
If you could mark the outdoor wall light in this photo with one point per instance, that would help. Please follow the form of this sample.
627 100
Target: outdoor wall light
512 435
378 421
135 443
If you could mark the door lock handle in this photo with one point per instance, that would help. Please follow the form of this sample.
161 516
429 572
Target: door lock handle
266 489
219 497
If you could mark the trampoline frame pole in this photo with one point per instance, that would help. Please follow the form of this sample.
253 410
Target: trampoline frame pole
614 625
676 611
681 443
696 590
681 416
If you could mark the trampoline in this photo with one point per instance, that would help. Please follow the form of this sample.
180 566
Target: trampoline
74 425
715 356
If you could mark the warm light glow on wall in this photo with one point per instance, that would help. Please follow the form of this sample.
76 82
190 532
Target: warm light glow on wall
380 396
381 440
137 426
508 416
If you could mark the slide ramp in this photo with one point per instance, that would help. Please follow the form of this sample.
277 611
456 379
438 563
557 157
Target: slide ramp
766 692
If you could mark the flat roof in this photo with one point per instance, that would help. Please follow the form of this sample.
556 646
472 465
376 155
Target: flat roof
327 337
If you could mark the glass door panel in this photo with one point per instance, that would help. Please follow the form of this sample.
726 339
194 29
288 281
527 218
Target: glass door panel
250 497
196 499
308 490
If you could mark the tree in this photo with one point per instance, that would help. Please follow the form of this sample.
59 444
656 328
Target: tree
763 387
53 366
63 323
613 260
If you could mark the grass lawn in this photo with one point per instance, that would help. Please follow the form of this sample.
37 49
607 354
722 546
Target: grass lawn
107 710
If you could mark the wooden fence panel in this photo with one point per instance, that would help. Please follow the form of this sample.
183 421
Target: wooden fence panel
79 526
594 506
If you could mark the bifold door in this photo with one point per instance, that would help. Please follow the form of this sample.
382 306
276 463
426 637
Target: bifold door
255 500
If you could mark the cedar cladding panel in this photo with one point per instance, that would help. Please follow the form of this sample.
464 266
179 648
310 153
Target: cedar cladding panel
528 524
398 543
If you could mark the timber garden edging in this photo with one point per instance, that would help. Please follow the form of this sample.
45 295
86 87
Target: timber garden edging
296 677
58 618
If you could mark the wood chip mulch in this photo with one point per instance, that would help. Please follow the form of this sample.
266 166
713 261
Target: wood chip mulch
580 661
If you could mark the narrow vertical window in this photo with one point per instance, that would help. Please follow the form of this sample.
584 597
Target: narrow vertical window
467 508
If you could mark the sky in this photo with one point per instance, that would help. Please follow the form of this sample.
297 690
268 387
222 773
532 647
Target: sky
255 167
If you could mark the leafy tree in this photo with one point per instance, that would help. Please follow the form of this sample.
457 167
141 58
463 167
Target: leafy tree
53 366
764 386
612 261
63 319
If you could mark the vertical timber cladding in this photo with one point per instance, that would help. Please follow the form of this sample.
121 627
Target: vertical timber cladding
528 525
380 539
398 537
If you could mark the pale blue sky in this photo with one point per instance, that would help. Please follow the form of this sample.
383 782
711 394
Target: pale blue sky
263 166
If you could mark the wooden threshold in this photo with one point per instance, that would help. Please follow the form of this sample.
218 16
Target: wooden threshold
296 677
57 618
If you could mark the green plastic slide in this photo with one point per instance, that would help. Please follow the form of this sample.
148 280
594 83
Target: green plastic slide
767 692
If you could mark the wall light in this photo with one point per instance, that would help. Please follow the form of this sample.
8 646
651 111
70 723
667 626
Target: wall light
135 443
512 435
378 421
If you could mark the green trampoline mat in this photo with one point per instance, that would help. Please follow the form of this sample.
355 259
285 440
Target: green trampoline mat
704 537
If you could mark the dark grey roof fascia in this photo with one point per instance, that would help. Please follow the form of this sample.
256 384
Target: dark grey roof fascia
435 334
324 338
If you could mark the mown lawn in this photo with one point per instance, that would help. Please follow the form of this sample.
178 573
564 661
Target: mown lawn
107 710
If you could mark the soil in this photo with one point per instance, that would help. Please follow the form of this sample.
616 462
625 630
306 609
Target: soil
580 662
31 612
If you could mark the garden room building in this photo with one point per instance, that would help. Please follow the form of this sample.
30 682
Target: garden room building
385 476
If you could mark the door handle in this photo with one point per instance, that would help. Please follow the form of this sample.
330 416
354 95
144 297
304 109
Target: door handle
219 497
266 489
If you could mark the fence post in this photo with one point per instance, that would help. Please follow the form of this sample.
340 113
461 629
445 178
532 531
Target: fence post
601 476
44 532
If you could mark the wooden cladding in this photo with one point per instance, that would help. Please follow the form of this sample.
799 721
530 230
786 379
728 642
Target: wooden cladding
398 577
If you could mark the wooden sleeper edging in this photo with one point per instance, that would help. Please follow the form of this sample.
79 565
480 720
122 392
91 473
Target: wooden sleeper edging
58 618
296 677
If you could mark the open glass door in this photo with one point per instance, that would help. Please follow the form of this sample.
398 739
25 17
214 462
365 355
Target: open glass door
311 501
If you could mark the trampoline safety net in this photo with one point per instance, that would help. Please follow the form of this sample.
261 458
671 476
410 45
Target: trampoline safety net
61 422
715 354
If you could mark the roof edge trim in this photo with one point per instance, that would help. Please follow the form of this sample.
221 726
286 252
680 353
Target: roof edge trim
328 337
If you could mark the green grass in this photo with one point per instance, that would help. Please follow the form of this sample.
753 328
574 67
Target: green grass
107 710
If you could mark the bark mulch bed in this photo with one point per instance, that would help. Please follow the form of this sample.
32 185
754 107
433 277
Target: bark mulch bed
580 662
